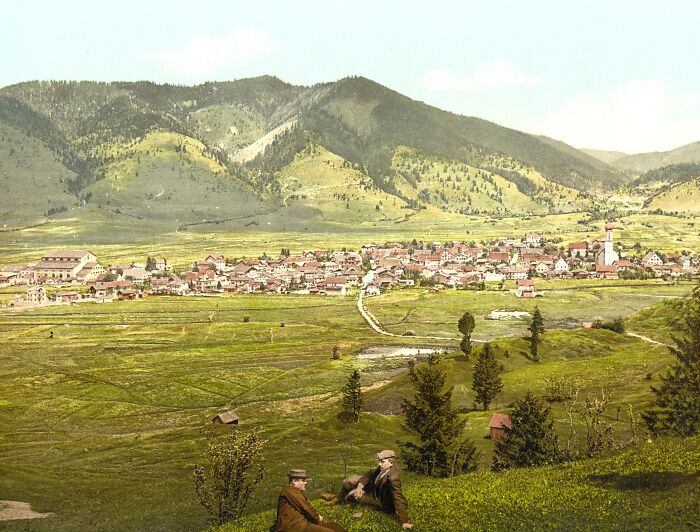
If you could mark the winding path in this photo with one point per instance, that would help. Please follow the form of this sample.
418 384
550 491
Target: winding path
376 326
647 339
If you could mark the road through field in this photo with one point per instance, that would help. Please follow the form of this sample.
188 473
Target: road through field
376 326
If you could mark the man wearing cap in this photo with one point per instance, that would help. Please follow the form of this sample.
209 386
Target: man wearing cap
294 511
380 487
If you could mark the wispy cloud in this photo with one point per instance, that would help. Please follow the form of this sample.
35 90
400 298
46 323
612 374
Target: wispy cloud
637 116
205 56
492 75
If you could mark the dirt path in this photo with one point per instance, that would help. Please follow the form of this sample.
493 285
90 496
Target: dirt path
376 326
10 510
647 339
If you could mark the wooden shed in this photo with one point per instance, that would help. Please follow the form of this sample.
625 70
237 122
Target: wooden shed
498 425
226 418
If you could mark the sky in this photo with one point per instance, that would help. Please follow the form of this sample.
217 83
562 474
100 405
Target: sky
613 75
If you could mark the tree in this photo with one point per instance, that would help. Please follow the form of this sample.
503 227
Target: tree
352 397
234 468
429 417
536 328
531 441
486 381
677 407
466 326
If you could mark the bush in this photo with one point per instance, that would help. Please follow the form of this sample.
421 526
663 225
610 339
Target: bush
233 470
617 325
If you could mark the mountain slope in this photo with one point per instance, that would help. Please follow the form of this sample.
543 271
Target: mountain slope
364 122
643 162
251 129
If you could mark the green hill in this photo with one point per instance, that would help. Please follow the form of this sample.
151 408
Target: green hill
253 128
654 486
643 162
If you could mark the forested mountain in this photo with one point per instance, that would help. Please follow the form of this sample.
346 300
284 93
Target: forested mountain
147 150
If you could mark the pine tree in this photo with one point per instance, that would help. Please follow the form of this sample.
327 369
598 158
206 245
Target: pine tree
531 441
536 328
486 381
430 418
677 407
466 326
352 397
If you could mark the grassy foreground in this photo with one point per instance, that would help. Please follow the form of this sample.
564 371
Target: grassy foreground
655 486
102 423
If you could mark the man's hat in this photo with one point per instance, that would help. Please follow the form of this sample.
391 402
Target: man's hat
386 453
297 473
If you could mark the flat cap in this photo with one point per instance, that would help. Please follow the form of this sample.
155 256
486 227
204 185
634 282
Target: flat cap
297 473
386 453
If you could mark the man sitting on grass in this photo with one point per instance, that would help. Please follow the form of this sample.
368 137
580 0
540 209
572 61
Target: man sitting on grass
294 511
380 488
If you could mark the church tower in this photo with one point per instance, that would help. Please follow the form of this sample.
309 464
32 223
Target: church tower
609 255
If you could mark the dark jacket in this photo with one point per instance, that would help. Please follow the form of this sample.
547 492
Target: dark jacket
387 490
294 511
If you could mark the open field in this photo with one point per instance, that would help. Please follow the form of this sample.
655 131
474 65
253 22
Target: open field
102 423
565 305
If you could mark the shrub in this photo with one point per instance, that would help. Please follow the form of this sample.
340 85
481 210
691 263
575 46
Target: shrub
233 470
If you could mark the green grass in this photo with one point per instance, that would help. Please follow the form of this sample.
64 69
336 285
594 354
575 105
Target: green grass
654 486
565 304
109 415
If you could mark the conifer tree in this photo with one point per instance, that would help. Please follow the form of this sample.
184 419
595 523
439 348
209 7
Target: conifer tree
466 326
531 441
486 381
352 397
536 328
430 418
677 407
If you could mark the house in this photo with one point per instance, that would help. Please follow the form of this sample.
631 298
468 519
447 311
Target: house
533 239
226 418
137 275
561 266
606 272
578 249
36 294
90 271
372 290
63 264
499 425
218 260
651 259
67 297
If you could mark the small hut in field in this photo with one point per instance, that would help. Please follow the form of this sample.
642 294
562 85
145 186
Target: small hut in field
226 418
498 425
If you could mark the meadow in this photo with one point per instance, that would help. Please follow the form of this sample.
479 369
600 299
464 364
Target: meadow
103 422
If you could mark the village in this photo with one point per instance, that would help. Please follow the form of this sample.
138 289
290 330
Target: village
373 269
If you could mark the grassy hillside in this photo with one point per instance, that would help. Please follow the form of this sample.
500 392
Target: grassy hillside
323 181
608 157
653 486
35 183
103 427
683 198
643 162
364 122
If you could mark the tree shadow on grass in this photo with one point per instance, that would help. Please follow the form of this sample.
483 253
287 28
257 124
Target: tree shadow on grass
654 481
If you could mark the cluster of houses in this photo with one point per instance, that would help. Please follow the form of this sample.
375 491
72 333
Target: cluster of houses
373 269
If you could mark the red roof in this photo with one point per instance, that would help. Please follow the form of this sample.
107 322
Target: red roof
499 421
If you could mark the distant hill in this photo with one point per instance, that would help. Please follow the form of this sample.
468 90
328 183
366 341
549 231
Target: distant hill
125 141
643 162
608 157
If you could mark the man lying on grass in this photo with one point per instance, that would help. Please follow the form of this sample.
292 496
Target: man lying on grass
294 511
380 488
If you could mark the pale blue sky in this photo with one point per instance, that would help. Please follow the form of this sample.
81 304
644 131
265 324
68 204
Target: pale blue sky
613 75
